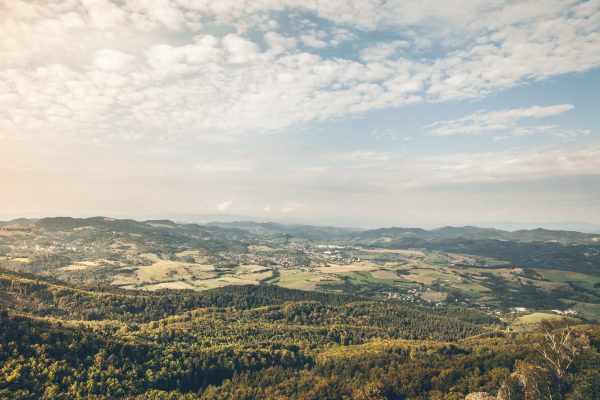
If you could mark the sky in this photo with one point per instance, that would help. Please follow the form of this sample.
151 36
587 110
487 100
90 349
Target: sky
352 113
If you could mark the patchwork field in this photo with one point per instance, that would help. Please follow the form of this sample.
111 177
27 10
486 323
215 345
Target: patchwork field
413 275
355 267
133 260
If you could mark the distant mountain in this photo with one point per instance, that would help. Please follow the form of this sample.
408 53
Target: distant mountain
161 222
575 226
131 226
18 221
300 231
471 232
540 248
546 235
69 224
466 231
408 236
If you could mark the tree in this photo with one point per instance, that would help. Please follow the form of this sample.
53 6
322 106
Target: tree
560 345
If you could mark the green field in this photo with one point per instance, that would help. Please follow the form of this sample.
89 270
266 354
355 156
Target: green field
373 272
586 281
132 261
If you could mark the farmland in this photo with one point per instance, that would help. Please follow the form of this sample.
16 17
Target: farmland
151 257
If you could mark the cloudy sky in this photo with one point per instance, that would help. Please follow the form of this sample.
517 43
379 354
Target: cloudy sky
346 112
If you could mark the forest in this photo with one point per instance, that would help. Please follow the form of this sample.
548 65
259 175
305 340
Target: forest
268 342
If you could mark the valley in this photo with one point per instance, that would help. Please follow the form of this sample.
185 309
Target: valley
157 255
102 308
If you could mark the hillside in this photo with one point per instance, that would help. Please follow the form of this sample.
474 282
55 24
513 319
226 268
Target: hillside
251 342
100 308
468 266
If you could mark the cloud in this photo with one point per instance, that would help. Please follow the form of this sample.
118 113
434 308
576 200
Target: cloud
313 40
226 205
169 59
180 177
383 51
515 164
552 130
362 156
217 71
393 174
104 14
240 49
110 60
492 121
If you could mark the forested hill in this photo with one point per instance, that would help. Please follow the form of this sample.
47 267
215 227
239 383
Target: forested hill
261 342
44 297
538 269
475 233
250 228
538 248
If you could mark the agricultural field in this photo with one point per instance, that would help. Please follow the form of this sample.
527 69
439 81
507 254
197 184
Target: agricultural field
163 256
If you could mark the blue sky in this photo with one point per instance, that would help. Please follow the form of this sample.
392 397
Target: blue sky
361 113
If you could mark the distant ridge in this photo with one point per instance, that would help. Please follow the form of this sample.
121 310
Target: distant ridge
472 232
316 232
18 221
303 231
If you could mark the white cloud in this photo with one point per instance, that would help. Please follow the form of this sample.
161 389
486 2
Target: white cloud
112 60
226 205
392 174
491 121
167 14
313 40
214 87
241 50
171 59
552 130
513 164
104 13
383 51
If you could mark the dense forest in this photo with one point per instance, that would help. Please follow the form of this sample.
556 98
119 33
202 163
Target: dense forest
58 341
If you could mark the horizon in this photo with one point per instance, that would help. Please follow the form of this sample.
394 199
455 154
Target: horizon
207 219
354 114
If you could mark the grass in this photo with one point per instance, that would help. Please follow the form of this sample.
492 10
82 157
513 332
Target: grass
383 274
169 285
188 253
417 253
251 269
472 290
296 279
585 281
355 267
589 310
537 317
366 278
378 270
434 296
